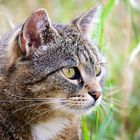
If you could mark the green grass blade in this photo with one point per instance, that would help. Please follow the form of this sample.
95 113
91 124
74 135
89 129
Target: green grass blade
105 124
131 12
85 129
97 122
104 15
107 9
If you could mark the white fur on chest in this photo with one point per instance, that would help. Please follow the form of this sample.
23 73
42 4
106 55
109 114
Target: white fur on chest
50 129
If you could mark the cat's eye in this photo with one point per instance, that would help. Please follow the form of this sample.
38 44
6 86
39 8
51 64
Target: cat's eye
98 70
69 72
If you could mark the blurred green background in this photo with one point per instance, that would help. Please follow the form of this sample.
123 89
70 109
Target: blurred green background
118 36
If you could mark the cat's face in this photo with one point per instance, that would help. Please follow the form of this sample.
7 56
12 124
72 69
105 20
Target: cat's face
78 83
68 73
65 68
74 84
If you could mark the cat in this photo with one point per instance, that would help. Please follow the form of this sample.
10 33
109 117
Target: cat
50 75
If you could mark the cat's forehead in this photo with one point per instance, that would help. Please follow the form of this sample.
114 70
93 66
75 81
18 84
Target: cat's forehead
74 41
71 48
68 34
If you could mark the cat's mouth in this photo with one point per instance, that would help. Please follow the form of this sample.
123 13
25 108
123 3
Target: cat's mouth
80 104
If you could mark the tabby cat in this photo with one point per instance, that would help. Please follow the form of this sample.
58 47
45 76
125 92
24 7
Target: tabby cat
50 75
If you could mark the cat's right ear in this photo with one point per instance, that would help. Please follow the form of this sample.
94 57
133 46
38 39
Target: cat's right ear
37 30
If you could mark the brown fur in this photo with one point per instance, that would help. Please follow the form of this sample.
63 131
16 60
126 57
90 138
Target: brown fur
32 84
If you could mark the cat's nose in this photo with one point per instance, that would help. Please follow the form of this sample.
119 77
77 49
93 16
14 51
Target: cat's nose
94 89
95 94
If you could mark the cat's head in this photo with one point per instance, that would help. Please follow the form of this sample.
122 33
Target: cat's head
58 64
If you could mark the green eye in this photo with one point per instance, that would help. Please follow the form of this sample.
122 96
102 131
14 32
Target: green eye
98 70
69 73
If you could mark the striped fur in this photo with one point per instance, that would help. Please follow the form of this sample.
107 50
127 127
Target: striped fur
38 102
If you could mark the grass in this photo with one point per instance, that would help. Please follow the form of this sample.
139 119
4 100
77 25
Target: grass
102 128
118 36
105 12
85 129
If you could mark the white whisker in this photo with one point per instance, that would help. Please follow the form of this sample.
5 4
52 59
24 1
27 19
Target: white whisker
115 102
20 109
58 107
115 109
33 99
104 107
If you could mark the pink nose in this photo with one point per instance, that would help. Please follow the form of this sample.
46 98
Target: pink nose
95 94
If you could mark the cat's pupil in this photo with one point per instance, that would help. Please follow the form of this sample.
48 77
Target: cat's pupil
69 70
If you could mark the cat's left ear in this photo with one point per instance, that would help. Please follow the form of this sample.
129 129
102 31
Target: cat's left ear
86 22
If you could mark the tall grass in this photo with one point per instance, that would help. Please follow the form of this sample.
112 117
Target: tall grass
114 121
118 36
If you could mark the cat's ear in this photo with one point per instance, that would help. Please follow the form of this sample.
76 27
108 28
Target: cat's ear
87 21
36 30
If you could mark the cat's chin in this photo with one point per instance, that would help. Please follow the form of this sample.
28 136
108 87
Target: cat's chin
79 112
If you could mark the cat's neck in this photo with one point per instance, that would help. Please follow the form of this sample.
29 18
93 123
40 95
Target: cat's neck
52 129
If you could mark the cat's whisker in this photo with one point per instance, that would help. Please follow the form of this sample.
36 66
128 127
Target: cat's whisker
37 98
101 63
102 111
115 102
76 107
108 97
30 105
108 89
45 108
59 101
114 108
58 107
111 92
20 109
111 99
107 103
104 108
34 99
107 106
